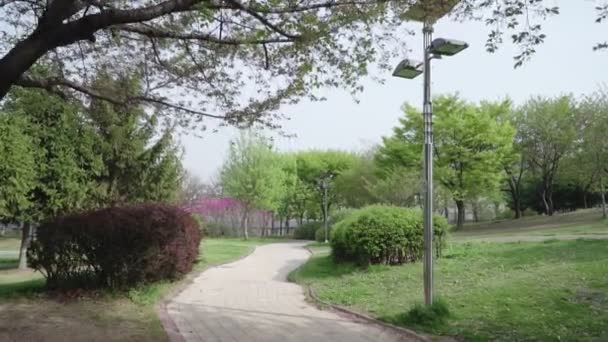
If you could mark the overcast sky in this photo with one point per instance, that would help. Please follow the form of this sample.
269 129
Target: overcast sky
564 64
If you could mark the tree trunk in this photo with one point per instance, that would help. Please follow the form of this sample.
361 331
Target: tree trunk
272 225
287 225
585 200
461 214
517 203
546 202
26 238
603 195
246 224
475 212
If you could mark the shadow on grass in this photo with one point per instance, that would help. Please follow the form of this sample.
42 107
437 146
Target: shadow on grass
7 264
321 267
21 288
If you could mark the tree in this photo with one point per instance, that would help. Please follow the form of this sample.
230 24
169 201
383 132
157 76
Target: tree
64 170
212 46
17 176
314 166
139 166
470 145
594 149
253 174
548 128
192 188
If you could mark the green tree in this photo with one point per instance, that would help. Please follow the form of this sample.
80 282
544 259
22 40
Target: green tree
65 163
139 166
548 129
593 152
18 176
253 173
470 145
314 166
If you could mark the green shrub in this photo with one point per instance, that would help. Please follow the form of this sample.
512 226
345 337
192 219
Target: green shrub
384 234
529 212
307 231
430 317
320 234
340 215
116 247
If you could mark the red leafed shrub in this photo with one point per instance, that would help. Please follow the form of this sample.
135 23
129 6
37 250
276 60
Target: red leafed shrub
116 247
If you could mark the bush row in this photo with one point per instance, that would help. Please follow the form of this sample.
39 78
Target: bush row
306 231
384 234
116 247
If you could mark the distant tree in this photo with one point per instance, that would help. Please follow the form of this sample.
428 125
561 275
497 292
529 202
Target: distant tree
192 188
314 166
594 148
470 145
253 173
548 129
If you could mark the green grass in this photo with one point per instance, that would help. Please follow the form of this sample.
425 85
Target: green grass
549 291
9 243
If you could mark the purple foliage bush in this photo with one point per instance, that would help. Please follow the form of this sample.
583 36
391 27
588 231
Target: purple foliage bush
116 247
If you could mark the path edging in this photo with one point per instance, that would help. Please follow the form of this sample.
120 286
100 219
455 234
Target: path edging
400 330
168 324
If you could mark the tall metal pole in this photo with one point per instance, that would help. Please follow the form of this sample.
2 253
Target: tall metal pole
427 114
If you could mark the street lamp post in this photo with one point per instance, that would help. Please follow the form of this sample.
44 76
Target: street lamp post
324 183
428 11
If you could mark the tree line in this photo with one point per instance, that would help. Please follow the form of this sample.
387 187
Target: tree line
544 156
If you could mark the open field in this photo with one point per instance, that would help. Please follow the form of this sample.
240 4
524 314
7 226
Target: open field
26 314
534 291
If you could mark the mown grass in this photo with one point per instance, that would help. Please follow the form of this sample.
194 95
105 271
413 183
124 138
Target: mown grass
548 291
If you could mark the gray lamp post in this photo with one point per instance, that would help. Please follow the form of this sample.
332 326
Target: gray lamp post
324 184
428 11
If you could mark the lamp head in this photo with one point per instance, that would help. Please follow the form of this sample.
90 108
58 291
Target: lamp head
409 69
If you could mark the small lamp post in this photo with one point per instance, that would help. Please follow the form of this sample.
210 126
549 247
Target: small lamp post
428 11
324 184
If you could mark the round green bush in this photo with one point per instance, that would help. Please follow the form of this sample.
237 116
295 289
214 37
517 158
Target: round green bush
384 234
307 230
117 247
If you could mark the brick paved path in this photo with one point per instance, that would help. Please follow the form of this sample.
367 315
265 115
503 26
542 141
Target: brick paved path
250 300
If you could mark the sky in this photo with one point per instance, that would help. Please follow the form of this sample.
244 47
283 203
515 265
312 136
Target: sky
564 64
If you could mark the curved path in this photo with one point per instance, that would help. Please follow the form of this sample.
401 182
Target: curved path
251 300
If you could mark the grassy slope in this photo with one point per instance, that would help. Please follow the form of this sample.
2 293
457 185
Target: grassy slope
501 292
26 314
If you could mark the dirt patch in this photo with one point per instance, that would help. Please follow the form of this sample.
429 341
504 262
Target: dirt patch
38 319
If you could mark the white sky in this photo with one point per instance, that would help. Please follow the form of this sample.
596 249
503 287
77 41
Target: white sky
564 64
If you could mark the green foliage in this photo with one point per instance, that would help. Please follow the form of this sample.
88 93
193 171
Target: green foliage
139 165
18 174
470 146
320 234
340 215
253 172
65 157
307 231
383 234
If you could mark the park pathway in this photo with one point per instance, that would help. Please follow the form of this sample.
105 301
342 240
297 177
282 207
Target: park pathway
251 300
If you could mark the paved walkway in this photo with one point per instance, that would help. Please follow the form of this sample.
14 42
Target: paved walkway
250 300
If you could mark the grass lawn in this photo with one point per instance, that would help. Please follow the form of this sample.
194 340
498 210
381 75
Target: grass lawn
27 314
532 291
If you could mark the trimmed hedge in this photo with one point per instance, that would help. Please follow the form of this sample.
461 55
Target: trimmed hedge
306 231
384 234
116 247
